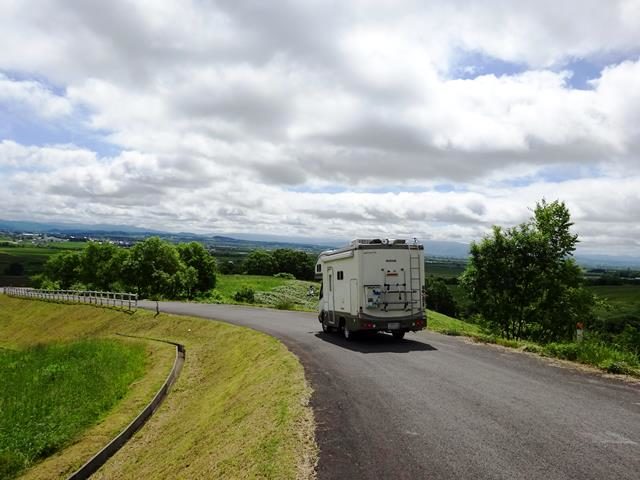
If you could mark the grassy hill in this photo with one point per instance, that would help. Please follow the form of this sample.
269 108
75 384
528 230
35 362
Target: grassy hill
238 410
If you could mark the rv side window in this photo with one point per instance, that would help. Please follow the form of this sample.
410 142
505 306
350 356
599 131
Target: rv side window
340 275
330 281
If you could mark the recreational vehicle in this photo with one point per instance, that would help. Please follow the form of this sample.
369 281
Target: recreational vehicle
372 285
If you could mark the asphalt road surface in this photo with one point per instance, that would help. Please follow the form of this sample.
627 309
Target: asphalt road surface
438 407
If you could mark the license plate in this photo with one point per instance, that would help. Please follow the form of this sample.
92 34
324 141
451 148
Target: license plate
394 326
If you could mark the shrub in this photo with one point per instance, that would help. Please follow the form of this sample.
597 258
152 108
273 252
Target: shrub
619 367
285 275
533 348
245 294
284 304
567 351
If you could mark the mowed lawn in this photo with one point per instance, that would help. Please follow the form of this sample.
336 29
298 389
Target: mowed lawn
50 393
238 410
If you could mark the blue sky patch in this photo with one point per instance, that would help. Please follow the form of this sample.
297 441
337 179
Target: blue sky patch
470 65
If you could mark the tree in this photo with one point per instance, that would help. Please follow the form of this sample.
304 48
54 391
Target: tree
260 262
439 297
96 269
63 268
152 269
296 262
524 282
194 255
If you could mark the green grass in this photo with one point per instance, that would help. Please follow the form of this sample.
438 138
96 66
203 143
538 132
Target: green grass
594 352
273 292
444 269
451 326
50 393
618 295
591 351
227 285
238 410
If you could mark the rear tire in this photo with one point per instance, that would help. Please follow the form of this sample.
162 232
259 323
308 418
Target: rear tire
398 335
348 334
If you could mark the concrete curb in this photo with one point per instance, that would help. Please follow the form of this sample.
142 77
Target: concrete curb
114 445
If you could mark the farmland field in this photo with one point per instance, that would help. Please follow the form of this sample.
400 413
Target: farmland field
444 268
31 258
618 294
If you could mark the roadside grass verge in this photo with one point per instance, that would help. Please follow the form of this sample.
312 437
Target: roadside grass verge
591 351
238 410
273 292
451 326
597 353
50 393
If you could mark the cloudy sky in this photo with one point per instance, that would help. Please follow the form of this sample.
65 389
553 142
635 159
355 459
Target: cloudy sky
323 119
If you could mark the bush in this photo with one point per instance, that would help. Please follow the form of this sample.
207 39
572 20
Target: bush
284 304
567 351
285 275
212 296
619 367
245 294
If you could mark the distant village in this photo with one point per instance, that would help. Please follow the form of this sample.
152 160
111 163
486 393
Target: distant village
37 239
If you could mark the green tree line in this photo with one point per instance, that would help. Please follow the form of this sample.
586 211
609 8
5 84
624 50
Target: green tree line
282 260
152 268
155 268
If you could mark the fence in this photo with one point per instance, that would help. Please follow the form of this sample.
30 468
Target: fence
125 301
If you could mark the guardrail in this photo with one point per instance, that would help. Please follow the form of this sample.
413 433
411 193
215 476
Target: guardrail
125 301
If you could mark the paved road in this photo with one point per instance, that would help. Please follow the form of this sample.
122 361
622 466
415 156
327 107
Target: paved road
437 407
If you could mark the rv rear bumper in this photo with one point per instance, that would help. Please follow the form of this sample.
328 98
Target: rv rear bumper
373 323
407 323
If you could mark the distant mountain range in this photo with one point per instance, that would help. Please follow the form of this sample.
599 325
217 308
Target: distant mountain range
433 248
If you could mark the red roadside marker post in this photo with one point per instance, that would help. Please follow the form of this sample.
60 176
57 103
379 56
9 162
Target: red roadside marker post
579 331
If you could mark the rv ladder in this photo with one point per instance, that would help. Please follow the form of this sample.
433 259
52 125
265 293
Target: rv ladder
415 287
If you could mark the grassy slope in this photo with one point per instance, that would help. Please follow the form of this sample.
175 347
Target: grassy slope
270 291
238 410
450 326
39 384
594 353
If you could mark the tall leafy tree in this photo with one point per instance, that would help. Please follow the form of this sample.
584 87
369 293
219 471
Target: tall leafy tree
96 267
153 269
524 281
195 256
296 262
260 262
439 297
63 268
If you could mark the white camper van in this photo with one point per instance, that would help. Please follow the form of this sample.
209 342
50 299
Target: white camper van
372 285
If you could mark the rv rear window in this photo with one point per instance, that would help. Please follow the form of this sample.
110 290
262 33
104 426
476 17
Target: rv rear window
319 268
340 275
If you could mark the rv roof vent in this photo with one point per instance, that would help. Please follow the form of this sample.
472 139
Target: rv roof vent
399 242
360 241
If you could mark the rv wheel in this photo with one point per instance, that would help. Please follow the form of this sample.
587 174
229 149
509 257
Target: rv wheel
348 334
398 334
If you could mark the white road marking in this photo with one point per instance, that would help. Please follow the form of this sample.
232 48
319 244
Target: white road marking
609 438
